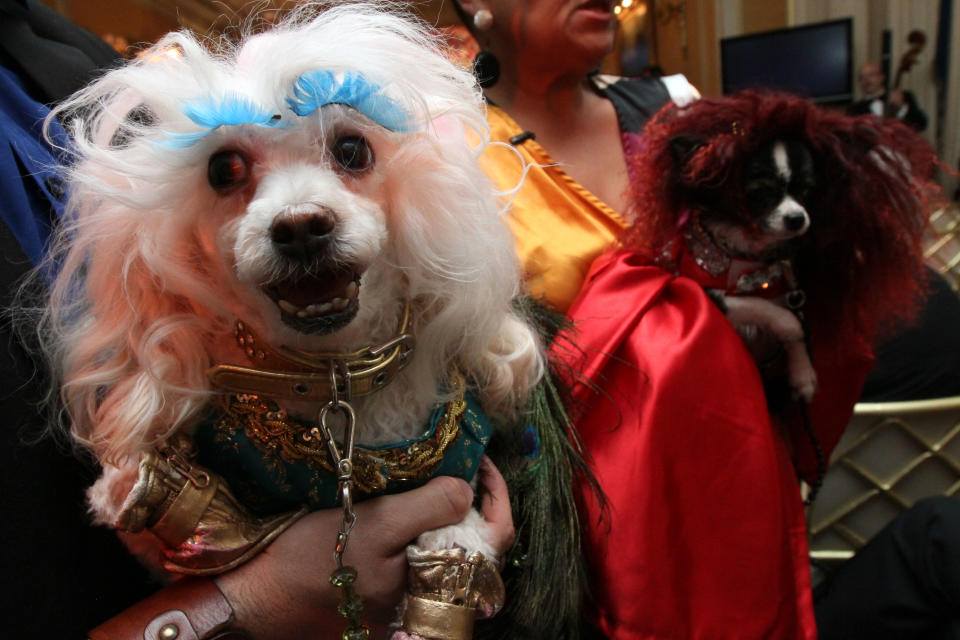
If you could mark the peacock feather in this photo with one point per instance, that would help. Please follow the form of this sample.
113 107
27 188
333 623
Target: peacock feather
545 467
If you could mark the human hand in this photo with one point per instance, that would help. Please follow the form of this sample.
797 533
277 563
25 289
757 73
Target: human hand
495 505
896 98
284 593
488 530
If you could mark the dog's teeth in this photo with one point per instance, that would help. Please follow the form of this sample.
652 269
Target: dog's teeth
288 307
318 309
352 290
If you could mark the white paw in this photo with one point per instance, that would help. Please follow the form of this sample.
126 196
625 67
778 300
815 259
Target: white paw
472 534
113 491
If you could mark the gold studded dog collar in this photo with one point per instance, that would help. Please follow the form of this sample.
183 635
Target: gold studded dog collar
300 375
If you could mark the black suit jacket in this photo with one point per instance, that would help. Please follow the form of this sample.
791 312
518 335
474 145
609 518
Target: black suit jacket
914 116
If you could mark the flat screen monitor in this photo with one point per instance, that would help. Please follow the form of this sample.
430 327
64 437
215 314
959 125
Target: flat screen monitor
814 61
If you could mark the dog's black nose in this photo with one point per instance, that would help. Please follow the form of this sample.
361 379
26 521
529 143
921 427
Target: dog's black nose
795 220
301 235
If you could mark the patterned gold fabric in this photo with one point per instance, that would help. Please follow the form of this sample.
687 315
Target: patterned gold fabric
274 462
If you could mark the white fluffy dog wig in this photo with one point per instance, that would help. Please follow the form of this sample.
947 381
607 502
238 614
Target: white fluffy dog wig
183 160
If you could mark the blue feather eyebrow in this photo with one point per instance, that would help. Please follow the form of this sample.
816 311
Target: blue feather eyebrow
231 109
311 91
315 89
210 113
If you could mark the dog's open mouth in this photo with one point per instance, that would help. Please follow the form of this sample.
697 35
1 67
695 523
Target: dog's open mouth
317 303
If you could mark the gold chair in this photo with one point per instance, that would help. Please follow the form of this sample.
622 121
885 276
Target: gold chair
942 243
891 455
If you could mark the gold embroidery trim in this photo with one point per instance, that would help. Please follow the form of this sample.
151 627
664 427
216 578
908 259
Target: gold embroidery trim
274 433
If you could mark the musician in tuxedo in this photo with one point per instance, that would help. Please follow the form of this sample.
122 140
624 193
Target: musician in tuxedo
895 103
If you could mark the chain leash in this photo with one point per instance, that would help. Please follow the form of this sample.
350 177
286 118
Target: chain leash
796 300
343 577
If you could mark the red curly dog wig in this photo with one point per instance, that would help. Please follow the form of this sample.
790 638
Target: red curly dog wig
863 259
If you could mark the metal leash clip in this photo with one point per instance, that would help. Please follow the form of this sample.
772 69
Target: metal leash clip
343 577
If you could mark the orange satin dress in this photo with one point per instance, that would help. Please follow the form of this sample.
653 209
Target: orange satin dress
559 226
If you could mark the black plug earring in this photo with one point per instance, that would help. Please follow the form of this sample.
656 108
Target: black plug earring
486 69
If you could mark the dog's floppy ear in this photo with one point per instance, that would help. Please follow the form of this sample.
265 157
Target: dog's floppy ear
447 128
683 146
137 119
458 256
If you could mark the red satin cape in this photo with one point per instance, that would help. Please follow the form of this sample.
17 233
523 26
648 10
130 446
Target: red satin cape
704 533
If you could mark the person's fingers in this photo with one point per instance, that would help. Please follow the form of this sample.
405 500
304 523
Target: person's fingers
495 504
442 501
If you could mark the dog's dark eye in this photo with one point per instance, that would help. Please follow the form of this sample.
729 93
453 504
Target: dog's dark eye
763 194
227 169
801 190
352 153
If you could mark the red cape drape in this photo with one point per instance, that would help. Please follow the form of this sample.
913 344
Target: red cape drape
704 536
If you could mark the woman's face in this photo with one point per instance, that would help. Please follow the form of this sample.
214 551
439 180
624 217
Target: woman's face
564 34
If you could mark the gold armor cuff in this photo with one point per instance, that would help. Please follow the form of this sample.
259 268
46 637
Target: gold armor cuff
446 592
192 511
435 620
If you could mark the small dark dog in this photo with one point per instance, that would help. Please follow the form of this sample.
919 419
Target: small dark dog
744 265
801 223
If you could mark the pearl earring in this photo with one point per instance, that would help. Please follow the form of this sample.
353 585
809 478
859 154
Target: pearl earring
483 19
